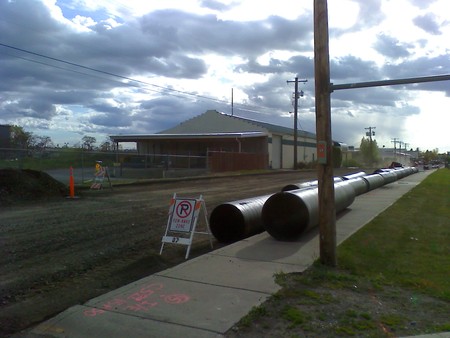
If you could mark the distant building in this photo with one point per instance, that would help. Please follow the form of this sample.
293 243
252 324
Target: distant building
403 156
259 145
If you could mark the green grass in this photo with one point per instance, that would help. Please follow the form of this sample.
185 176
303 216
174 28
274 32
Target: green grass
57 159
392 278
409 244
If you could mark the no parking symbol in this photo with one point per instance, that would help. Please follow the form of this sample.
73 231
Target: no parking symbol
183 209
181 226
183 215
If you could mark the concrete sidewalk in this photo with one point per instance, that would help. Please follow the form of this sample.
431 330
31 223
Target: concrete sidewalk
206 296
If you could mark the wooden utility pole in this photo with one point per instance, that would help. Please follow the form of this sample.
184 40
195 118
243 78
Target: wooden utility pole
371 133
296 96
327 209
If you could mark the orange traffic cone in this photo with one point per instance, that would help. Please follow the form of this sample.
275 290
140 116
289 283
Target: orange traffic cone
71 185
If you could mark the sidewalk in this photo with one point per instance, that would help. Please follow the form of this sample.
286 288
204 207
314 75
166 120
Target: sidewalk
207 295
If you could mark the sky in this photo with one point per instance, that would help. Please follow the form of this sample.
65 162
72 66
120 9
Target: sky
77 68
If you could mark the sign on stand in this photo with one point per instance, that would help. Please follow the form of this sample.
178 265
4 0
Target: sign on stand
99 176
182 223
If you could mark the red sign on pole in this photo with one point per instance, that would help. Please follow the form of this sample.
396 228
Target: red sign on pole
322 152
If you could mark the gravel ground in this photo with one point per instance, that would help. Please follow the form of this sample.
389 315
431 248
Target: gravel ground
57 252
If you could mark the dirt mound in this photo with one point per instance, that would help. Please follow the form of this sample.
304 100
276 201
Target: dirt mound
28 185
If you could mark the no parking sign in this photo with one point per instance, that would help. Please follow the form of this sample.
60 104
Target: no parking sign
183 216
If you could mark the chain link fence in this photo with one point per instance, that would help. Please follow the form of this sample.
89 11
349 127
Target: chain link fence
121 165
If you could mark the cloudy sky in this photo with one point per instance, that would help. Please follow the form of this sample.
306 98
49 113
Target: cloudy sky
101 67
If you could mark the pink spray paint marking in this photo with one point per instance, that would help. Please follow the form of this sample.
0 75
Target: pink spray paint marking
141 301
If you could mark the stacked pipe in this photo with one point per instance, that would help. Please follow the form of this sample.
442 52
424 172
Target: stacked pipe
310 184
288 214
236 220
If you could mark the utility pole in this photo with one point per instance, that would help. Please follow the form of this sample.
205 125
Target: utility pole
232 101
407 158
296 95
370 133
395 141
327 207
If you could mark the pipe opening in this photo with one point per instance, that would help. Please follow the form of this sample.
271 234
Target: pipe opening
285 216
227 223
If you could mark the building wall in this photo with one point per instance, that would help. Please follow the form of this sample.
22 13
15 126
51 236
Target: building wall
306 150
280 158
278 143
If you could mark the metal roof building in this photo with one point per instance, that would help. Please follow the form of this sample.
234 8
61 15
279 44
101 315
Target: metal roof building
213 132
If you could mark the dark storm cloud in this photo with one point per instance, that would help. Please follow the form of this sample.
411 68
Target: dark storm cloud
274 93
301 65
166 112
369 13
428 23
422 67
24 107
351 67
166 43
172 44
381 97
391 47
206 34
111 117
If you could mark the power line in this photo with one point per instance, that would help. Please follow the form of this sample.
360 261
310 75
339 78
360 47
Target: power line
160 89
70 70
102 71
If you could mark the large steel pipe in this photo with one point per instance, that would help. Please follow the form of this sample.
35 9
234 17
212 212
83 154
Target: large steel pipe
353 175
236 220
403 172
288 214
374 181
309 184
359 184
389 176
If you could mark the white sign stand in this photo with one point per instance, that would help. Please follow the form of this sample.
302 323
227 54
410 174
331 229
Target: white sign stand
182 223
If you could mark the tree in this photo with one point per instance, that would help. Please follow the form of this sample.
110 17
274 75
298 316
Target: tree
369 151
337 157
88 142
106 146
429 156
20 138
42 142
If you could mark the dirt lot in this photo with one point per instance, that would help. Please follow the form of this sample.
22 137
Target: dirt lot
61 252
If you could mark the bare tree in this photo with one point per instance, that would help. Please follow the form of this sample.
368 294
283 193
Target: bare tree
88 142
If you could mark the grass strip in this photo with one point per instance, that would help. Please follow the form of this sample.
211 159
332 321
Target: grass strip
392 279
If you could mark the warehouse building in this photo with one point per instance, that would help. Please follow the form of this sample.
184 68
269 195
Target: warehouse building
224 142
